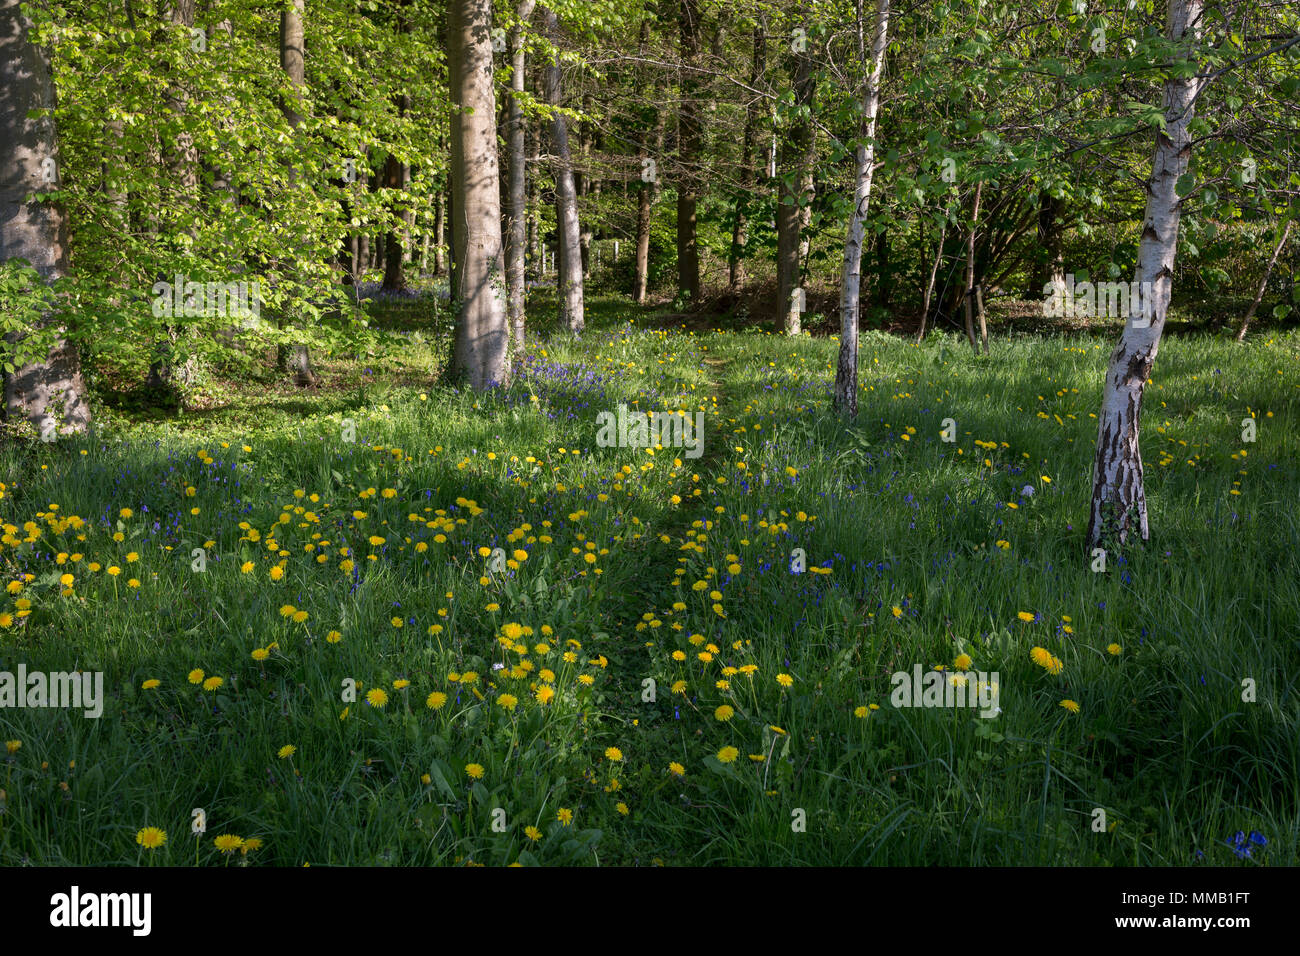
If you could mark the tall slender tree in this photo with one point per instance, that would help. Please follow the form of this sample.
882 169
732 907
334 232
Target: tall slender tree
846 374
517 233
481 354
569 275
1119 504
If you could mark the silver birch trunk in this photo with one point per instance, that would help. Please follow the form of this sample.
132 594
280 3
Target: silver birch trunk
1118 499
846 375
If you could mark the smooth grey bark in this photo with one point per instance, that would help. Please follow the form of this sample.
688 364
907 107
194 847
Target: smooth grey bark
569 287
481 353
748 175
50 392
296 359
689 140
794 209
846 373
517 234
1119 506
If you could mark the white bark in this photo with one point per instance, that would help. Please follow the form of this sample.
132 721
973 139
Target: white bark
846 375
1118 498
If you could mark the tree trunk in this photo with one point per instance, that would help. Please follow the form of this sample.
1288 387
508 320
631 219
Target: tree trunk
49 392
968 299
297 359
440 234
1051 267
688 151
748 175
481 354
846 373
929 286
569 290
516 236
794 209
397 175
1263 283
1118 498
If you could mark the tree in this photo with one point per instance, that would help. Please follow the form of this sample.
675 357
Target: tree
517 237
1119 504
794 208
46 389
296 358
569 275
481 354
688 150
846 374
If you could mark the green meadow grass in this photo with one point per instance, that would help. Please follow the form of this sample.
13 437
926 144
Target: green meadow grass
915 555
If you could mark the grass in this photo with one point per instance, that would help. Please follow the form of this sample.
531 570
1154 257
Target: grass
623 569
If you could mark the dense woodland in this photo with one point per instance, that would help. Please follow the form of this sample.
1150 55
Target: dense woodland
203 199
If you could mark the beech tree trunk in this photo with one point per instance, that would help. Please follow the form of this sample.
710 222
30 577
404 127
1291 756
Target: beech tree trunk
748 175
517 234
1119 506
846 373
297 358
481 354
569 290
48 392
688 151
793 211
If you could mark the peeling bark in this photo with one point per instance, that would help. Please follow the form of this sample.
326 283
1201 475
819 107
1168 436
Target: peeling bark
846 374
1119 506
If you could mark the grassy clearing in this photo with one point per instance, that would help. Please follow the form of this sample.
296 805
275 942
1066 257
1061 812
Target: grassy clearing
329 560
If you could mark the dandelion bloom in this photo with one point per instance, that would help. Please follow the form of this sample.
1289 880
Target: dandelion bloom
1041 656
253 843
785 680
860 712
376 697
728 754
508 701
150 684
565 816
533 833
260 654
13 746
545 694
1071 706
228 842
1115 650
613 754
1025 616
212 683
724 712
474 771
196 676
436 700
151 838
401 684
333 637
962 662
288 750
676 769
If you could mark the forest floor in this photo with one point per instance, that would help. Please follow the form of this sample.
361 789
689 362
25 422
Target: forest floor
669 659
